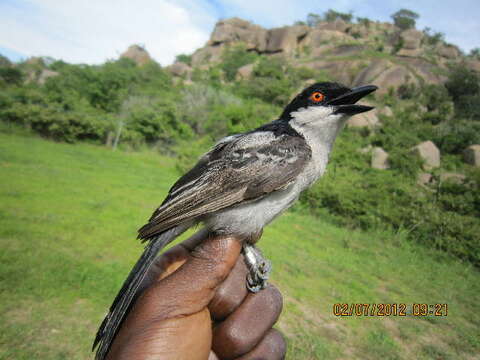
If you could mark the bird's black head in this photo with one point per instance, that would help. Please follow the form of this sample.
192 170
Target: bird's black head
340 97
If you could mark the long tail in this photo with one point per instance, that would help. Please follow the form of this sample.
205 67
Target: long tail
122 303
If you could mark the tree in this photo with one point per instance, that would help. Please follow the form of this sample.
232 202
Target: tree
313 19
463 85
332 15
405 19
4 61
187 59
10 75
433 38
475 52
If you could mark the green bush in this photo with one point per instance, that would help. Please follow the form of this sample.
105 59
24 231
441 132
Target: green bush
155 120
233 58
187 59
463 85
273 81
10 76
405 19
238 118
199 101
433 38
332 15
455 136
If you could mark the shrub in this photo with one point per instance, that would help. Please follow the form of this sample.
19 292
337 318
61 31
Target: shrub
198 102
4 61
313 19
234 57
154 119
364 21
10 75
332 15
273 81
462 81
187 59
237 118
404 19
433 38
455 136
475 52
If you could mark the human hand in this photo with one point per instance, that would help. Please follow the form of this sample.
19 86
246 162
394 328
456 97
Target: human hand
194 283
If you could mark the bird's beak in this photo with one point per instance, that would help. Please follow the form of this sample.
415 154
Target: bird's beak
345 104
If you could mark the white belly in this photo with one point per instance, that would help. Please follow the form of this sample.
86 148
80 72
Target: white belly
251 217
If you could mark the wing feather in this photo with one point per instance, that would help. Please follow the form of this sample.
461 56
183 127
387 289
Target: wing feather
243 169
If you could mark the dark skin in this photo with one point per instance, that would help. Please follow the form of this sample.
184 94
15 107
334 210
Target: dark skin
195 305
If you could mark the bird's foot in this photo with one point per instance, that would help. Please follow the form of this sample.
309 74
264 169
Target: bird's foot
259 268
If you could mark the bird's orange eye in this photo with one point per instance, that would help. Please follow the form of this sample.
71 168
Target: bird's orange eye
317 97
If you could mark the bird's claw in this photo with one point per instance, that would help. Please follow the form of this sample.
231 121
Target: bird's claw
258 269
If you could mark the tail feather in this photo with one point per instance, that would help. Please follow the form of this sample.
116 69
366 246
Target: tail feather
124 299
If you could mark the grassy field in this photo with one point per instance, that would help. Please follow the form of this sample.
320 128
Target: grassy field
68 220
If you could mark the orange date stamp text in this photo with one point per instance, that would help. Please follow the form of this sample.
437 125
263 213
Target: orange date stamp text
394 309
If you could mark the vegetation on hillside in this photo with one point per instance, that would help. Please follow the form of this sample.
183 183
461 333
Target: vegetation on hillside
121 103
68 220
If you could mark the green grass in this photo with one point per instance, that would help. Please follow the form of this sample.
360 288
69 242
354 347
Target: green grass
68 217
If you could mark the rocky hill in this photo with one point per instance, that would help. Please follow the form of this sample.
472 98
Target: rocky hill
352 53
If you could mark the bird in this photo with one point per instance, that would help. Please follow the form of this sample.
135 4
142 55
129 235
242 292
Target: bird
243 183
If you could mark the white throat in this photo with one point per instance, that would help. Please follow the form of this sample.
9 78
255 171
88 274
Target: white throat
320 127
319 124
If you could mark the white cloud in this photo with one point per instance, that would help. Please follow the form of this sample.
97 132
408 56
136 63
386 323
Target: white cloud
93 31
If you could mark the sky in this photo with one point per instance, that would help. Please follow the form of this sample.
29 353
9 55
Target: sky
82 31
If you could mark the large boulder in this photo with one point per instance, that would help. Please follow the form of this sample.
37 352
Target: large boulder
319 51
451 177
138 54
337 25
347 50
429 153
340 70
473 64
180 69
424 178
379 159
318 37
285 39
424 69
392 78
448 51
413 53
45 74
239 30
411 43
367 119
386 111
411 39
471 155
245 71
372 71
207 54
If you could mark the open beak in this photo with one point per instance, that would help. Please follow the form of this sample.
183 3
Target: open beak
345 103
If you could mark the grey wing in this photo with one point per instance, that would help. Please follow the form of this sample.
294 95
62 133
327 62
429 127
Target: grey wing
247 167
